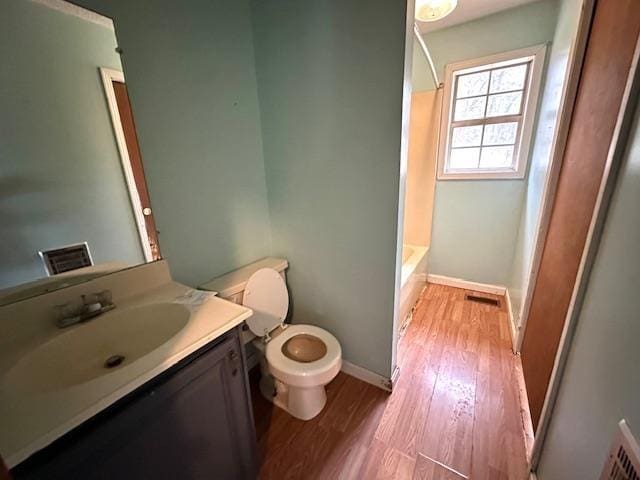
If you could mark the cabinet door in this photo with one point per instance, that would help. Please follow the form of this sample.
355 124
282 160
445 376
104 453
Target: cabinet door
195 424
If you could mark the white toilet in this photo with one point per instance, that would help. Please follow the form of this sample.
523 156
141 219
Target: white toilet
298 360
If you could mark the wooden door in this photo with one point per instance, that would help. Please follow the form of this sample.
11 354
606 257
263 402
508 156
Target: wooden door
608 57
135 158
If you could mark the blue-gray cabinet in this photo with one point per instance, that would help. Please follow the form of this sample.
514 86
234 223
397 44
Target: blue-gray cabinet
192 422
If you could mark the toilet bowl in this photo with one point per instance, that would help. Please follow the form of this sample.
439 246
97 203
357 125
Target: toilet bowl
298 360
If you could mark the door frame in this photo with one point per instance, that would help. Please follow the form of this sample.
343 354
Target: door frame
109 76
407 89
558 144
615 156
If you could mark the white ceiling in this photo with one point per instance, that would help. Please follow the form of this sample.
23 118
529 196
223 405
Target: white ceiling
469 10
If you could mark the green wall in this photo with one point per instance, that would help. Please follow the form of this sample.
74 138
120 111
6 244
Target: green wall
558 55
322 190
476 222
61 176
523 26
600 383
330 75
189 66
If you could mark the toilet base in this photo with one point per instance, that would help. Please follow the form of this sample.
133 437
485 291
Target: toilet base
302 403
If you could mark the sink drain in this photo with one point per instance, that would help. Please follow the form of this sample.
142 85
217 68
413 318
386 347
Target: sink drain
113 361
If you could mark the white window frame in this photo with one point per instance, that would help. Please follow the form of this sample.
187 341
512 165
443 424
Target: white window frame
535 55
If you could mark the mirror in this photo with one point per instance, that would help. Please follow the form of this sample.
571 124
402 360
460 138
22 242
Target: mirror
74 200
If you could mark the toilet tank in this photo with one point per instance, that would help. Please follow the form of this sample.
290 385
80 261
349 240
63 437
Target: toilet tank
230 286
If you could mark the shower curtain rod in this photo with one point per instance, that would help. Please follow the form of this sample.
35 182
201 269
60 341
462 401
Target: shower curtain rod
425 50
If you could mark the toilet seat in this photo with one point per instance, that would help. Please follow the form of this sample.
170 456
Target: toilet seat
302 374
267 295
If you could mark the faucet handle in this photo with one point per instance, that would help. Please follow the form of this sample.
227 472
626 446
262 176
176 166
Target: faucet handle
100 298
66 310
105 297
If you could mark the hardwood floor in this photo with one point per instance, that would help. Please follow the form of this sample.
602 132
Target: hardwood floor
454 413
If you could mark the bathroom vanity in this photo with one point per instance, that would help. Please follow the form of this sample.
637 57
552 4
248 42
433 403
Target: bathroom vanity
174 403
193 421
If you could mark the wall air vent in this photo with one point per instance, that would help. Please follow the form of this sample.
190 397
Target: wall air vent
67 258
486 300
623 462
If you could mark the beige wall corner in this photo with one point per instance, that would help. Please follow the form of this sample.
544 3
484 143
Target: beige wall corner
421 171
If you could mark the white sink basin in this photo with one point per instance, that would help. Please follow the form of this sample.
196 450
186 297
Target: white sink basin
81 354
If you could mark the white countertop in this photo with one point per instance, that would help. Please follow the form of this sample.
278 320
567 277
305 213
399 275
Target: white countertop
30 422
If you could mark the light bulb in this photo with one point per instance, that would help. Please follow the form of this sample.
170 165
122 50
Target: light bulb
432 10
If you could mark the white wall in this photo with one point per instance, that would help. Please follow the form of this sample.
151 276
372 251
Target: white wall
421 166
601 384
558 57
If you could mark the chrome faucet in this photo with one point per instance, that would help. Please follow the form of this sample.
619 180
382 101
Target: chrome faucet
93 304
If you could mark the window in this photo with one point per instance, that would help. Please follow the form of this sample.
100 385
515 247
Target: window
488 114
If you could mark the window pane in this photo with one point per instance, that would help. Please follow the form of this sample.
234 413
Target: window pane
510 78
496 157
463 158
473 84
469 108
504 104
499 133
467 136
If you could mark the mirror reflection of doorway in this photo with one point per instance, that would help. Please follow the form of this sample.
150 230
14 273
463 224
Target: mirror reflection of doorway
127 139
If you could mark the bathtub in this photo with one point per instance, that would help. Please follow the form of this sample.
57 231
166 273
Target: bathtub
413 278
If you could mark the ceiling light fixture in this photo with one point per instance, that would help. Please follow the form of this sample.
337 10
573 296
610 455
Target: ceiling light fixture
432 10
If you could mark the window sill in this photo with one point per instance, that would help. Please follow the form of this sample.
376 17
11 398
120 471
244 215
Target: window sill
510 175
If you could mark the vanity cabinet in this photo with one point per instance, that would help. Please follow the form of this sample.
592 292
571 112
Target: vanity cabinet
193 422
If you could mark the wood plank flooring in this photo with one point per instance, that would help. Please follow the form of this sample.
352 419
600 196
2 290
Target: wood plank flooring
454 413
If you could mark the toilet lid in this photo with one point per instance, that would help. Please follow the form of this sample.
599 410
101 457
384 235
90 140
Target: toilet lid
266 294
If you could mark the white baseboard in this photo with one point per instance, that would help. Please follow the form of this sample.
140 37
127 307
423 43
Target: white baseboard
366 375
466 284
394 376
512 321
421 277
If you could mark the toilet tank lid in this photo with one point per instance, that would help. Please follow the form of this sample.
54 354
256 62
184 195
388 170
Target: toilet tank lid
234 282
266 294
